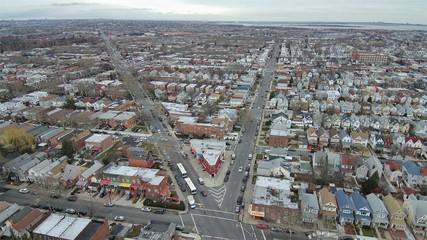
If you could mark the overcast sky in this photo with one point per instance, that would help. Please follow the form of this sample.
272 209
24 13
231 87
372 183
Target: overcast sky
393 11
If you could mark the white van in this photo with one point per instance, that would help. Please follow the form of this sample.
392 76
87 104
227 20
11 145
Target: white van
201 182
250 157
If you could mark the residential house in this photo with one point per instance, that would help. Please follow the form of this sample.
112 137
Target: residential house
412 173
309 208
362 171
397 215
345 207
362 209
374 165
278 167
347 165
328 204
137 157
359 139
413 145
379 211
78 140
376 141
323 137
393 172
99 142
335 139
312 136
85 177
23 221
415 208
346 140
70 175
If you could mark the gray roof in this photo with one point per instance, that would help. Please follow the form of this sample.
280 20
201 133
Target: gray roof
21 214
9 212
95 167
377 206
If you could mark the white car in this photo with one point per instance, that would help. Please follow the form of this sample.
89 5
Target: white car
109 204
70 211
146 209
24 190
240 168
119 218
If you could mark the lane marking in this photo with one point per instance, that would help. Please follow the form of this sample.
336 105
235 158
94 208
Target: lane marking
262 231
221 218
197 231
244 236
214 237
220 211
182 222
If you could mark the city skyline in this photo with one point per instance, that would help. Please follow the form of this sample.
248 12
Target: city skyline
412 11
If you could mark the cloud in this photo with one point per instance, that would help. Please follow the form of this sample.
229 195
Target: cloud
72 4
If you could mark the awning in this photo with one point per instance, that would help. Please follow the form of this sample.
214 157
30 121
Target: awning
255 213
93 184
105 182
123 184
164 191
115 184
96 148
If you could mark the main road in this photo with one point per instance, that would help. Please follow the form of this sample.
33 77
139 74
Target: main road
210 221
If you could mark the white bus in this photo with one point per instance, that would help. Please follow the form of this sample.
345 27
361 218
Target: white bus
190 185
182 170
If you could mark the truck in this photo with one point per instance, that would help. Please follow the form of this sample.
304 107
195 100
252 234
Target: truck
191 202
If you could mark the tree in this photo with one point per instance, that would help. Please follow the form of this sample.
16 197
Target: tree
92 207
67 149
16 140
70 104
371 184
243 116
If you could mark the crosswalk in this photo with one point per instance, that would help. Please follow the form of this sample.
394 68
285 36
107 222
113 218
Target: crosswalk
218 194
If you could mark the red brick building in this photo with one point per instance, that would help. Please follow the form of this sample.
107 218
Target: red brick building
210 153
204 130
78 140
99 142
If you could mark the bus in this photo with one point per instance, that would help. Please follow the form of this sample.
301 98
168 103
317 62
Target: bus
182 170
190 185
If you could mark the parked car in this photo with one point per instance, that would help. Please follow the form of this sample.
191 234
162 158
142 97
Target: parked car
159 211
243 188
179 182
228 172
102 194
24 190
183 189
119 218
262 226
146 209
204 194
276 229
109 204
240 169
82 213
129 196
72 198
173 168
174 199
70 211
54 196
179 228
237 209
57 209
226 178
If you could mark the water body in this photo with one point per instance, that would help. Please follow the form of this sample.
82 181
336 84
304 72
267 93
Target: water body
337 25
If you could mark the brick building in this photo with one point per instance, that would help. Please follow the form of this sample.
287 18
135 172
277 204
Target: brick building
204 130
209 153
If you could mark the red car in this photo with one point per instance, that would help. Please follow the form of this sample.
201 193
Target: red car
173 199
262 226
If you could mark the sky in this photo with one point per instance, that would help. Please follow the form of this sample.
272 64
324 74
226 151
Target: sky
390 11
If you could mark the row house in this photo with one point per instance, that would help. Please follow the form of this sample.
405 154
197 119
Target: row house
347 165
396 213
138 157
379 211
309 208
204 130
362 209
78 140
415 208
328 204
346 207
99 142
84 179
70 175
273 201
152 183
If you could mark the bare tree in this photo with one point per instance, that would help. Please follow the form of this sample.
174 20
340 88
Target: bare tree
92 207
